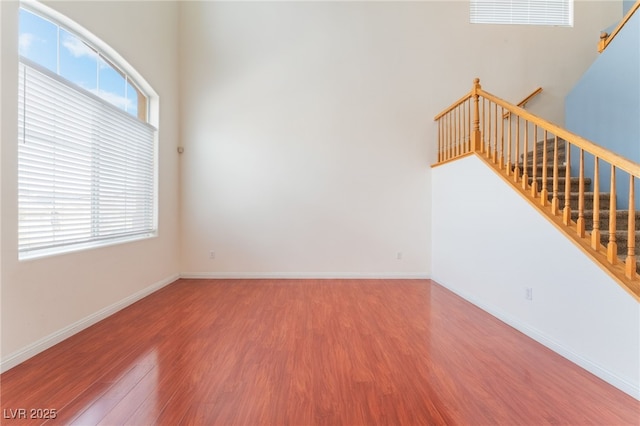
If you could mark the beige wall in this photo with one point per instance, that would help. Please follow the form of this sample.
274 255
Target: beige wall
308 126
47 299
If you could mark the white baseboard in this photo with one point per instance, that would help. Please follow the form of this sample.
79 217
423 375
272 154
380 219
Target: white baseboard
48 341
300 275
540 337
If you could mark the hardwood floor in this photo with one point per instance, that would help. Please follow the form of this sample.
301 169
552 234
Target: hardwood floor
307 352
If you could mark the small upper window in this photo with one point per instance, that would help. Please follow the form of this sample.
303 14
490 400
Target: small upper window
59 50
524 12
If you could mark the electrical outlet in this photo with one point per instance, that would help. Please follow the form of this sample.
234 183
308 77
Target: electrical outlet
528 293
212 255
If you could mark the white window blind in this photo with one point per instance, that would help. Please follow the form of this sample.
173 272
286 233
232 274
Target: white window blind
86 170
528 12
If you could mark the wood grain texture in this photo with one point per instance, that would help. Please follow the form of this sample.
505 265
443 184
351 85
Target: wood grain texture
308 352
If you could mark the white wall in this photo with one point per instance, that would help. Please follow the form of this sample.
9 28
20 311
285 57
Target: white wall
490 245
47 299
308 126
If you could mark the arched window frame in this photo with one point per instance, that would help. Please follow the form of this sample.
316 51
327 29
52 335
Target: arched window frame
147 115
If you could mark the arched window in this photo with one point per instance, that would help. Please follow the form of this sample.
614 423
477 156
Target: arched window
87 148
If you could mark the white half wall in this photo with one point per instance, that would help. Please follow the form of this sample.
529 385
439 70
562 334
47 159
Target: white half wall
44 300
489 245
308 129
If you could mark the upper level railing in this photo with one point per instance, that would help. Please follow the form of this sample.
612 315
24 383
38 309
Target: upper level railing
605 38
523 103
475 124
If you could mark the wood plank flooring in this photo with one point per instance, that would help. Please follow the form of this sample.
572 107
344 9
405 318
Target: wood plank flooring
307 352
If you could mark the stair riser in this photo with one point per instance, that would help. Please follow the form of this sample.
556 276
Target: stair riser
588 201
561 171
539 149
539 158
621 222
575 185
621 243
540 144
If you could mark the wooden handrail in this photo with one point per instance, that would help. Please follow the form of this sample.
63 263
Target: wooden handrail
453 106
523 103
471 126
605 38
600 152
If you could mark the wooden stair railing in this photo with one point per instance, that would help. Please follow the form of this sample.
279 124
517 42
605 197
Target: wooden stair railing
534 156
605 38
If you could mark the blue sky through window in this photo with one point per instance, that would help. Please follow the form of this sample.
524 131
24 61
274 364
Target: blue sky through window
38 40
60 51
78 62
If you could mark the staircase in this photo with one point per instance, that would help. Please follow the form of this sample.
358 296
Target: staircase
588 214
478 124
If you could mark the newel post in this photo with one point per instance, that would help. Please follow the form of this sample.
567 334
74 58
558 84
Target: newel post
476 144
602 44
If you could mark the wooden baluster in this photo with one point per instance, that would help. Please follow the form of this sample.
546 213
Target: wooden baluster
463 131
468 124
495 135
447 132
447 136
595 233
454 132
516 172
580 223
501 160
534 167
439 141
566 213
483 134
509 146
475 143
630 267
525 176
554 198
544 193
456 139
460 140
450 137
612 247
487 137
445 125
